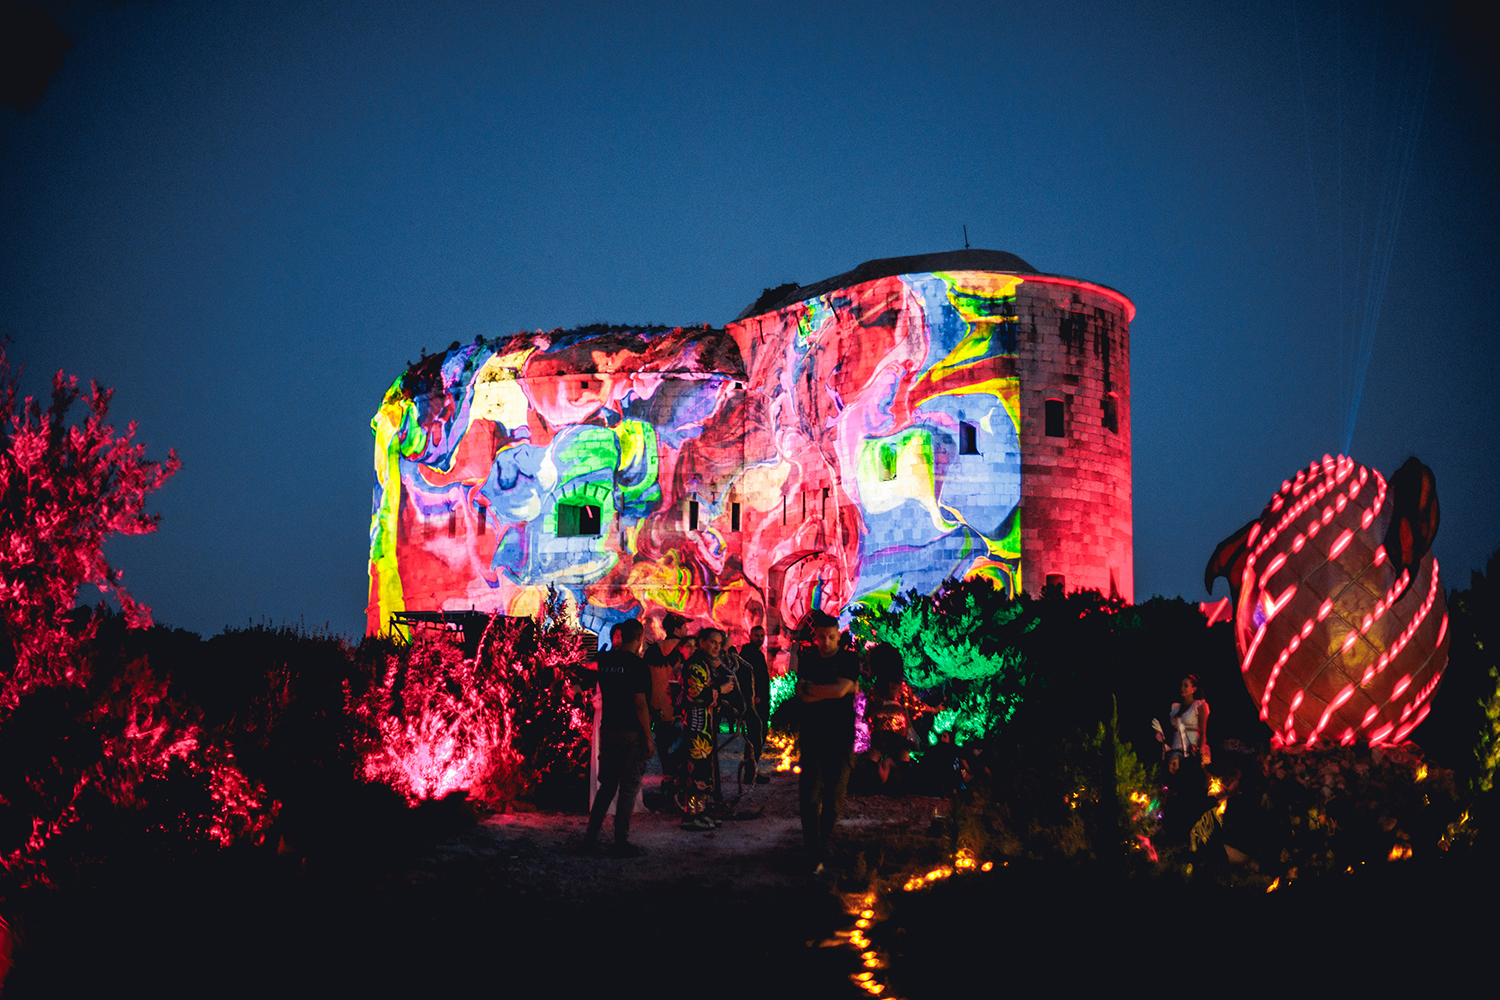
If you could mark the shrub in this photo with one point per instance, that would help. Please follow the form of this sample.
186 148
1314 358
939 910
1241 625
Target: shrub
1332 808
64 490
438 722
91 735
965 640
497 725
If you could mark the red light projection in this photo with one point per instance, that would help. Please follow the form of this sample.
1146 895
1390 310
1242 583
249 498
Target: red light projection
805 458
99 728
64 491
492 725
1338 610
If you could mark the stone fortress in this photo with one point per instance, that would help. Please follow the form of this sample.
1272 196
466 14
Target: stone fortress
947 415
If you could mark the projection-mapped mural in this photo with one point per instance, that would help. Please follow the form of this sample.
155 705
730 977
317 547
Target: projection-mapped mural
845 448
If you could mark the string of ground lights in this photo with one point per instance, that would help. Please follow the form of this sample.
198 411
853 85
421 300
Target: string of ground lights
867 910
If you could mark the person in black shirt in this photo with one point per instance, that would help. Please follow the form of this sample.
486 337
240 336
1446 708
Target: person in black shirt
664 659
624 737
826 679
757 688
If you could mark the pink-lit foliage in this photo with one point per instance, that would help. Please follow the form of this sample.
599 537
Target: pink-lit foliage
64 490
494 726
82 727
440 723
551 697
148 734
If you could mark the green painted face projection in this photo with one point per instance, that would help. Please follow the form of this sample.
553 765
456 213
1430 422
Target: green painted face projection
839 450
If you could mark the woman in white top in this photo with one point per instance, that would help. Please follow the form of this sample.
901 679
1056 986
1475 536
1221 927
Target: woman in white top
1189 726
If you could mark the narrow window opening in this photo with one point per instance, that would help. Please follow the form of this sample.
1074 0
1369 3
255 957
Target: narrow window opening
588 520
804 505
1112 413
482 519
968 438
692 515
887 463
827 492
734 517
783 509
575 388
452 523
577 519
1055 419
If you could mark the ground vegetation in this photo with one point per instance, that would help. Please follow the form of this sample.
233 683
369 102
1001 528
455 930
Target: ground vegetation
145 769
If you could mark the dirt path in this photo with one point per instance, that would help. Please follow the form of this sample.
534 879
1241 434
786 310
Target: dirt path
762 850
735 908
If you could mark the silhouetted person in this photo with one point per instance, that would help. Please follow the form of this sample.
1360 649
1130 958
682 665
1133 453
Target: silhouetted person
624 737
757 688
1186 754
665 662
826 678
944 768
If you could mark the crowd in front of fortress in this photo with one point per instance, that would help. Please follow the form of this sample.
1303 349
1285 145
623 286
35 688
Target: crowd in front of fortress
673 698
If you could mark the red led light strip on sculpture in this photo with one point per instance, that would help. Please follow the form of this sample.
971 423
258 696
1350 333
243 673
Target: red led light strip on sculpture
1219 611
1333 706
1338 471
1301 506
1384 605
1291 718
1407 634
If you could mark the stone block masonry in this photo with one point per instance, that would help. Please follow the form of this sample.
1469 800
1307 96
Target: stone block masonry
1076 489
916 419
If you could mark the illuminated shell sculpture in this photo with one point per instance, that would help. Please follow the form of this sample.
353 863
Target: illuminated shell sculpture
1339 616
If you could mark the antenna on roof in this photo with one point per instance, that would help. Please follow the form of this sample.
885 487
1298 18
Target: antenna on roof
966 237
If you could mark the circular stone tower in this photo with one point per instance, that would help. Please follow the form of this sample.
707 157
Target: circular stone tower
1057 348
1074 351
917 419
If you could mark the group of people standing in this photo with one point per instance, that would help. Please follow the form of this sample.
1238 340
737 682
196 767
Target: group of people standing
668 698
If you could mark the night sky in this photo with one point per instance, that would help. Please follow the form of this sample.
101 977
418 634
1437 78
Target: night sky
248 221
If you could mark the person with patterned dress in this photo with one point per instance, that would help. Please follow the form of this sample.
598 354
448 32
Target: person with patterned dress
699 697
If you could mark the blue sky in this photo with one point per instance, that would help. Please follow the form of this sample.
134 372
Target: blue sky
248 218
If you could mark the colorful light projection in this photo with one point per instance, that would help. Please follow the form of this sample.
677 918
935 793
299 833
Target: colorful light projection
870 447
1339 614
888 416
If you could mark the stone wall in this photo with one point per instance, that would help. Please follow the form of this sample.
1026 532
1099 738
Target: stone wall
887 437
872 439
1076 489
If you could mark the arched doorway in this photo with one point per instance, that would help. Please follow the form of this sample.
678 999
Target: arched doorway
787 606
